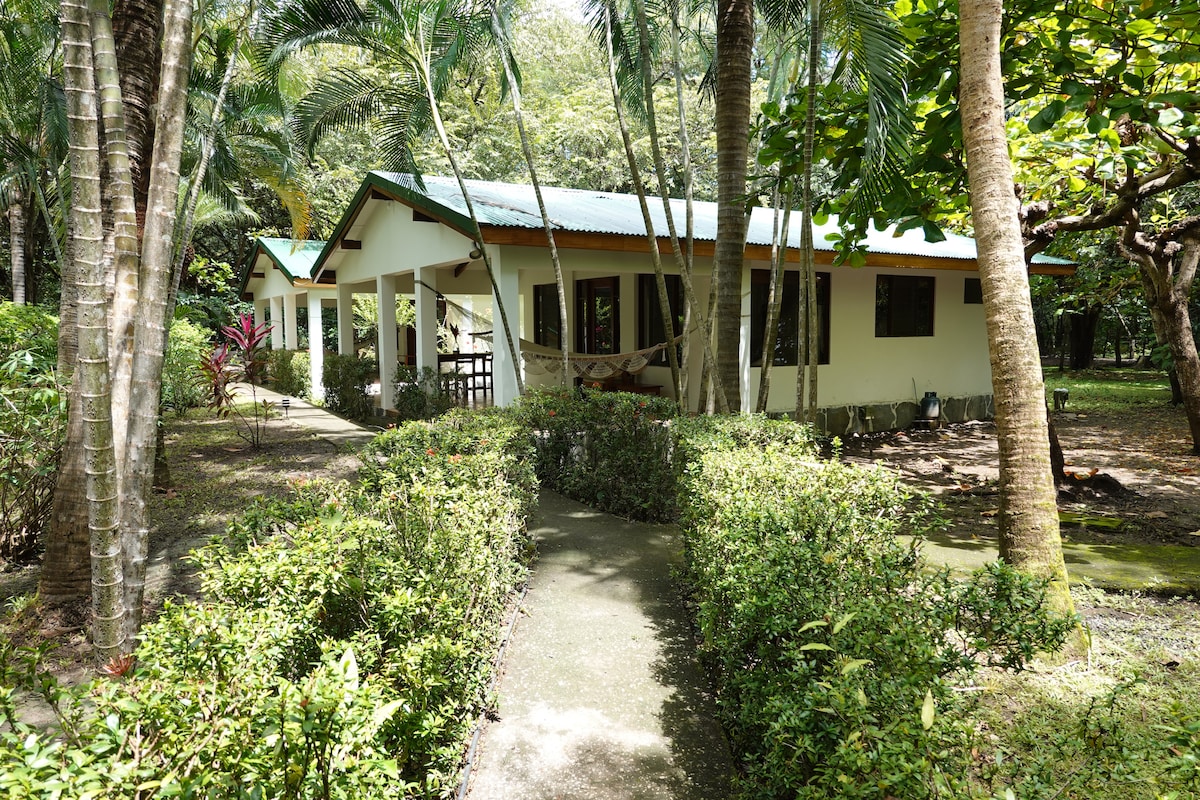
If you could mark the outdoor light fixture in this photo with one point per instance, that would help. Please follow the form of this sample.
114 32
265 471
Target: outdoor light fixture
286 403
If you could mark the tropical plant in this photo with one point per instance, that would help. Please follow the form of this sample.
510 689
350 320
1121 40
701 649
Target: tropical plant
183 383
241 358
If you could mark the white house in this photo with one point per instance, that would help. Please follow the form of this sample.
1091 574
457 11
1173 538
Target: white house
908 322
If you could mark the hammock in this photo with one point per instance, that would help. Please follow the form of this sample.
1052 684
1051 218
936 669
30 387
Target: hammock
541 360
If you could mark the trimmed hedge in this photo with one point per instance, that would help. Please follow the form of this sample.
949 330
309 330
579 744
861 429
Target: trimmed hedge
342 649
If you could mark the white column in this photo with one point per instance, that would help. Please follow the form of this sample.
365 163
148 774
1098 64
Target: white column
385 293
291 340
504 380
260 312
744 345
345 320
276 323
316 347
425 290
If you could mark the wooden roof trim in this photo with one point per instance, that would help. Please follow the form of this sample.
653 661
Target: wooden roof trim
616 243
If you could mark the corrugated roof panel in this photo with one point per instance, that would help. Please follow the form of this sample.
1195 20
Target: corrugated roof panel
584 211
297 258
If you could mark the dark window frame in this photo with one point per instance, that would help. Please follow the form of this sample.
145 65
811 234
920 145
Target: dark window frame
972 292
545 315
904 306
785 349
588 292
649 315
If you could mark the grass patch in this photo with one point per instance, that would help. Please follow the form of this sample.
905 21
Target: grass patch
1113 726
1111 390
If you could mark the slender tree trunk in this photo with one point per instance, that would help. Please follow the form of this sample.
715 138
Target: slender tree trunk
514 91
150 339
439 126
94 406
806 361
1028 519
770 336
735 49
137 30
16 244
685 148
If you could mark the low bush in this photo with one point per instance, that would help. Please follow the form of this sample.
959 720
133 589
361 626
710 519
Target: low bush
32 429
835 650
30 329
346 380
183 384
343 647
288 372
608 449
424 393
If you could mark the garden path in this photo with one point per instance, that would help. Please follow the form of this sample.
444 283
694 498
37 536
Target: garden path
328 426
601 696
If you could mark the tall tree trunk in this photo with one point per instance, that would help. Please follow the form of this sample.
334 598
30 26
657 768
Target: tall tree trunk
770 335
94 407
1083 336
137 30
806 360
514 91
1028 519
1167 275
150 338
16 244
735 49
689 236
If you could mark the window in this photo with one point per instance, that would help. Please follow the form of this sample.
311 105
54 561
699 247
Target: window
903 305
972 292
546 318
649 314
785 344
597 316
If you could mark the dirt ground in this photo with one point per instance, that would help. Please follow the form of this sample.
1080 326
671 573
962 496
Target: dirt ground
1155 498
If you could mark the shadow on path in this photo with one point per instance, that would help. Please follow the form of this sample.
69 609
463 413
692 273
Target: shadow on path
601 696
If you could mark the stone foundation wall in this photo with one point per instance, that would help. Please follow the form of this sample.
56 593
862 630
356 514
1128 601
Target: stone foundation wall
843 420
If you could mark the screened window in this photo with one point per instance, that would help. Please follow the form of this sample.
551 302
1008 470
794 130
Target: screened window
598 316
649 314
785 344
903 305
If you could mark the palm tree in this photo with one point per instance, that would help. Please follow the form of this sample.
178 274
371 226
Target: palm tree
417 46
1029 534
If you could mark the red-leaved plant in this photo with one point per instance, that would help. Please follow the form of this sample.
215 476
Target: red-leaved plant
242 358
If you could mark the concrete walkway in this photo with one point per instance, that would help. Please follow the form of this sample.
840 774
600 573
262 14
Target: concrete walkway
601 697
327 425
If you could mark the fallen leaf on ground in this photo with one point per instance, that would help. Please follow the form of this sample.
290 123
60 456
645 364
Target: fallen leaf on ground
989 513
1156 515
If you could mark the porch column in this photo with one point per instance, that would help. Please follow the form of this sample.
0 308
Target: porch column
260 312
316 347
425 291
385 292
345 320
290 339
504 379
276 323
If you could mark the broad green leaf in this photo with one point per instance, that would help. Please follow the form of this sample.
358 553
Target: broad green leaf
933 232
1046 118
1076 183
927 710
1140 27
1097 123
853 664
815 646
816 623
1169 116
841 623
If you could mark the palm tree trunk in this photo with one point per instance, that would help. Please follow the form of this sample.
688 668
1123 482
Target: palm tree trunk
806 370
1028 519
514 91
16 244
439 126
735 48
770 337
93 408
685 148
150 338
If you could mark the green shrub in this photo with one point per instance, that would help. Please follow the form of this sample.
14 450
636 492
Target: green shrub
834 649
33 415
608 449
29 329
424 394
343 648
183 384
288 371
346 380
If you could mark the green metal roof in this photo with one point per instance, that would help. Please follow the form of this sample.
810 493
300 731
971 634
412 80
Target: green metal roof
586 211
297 259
